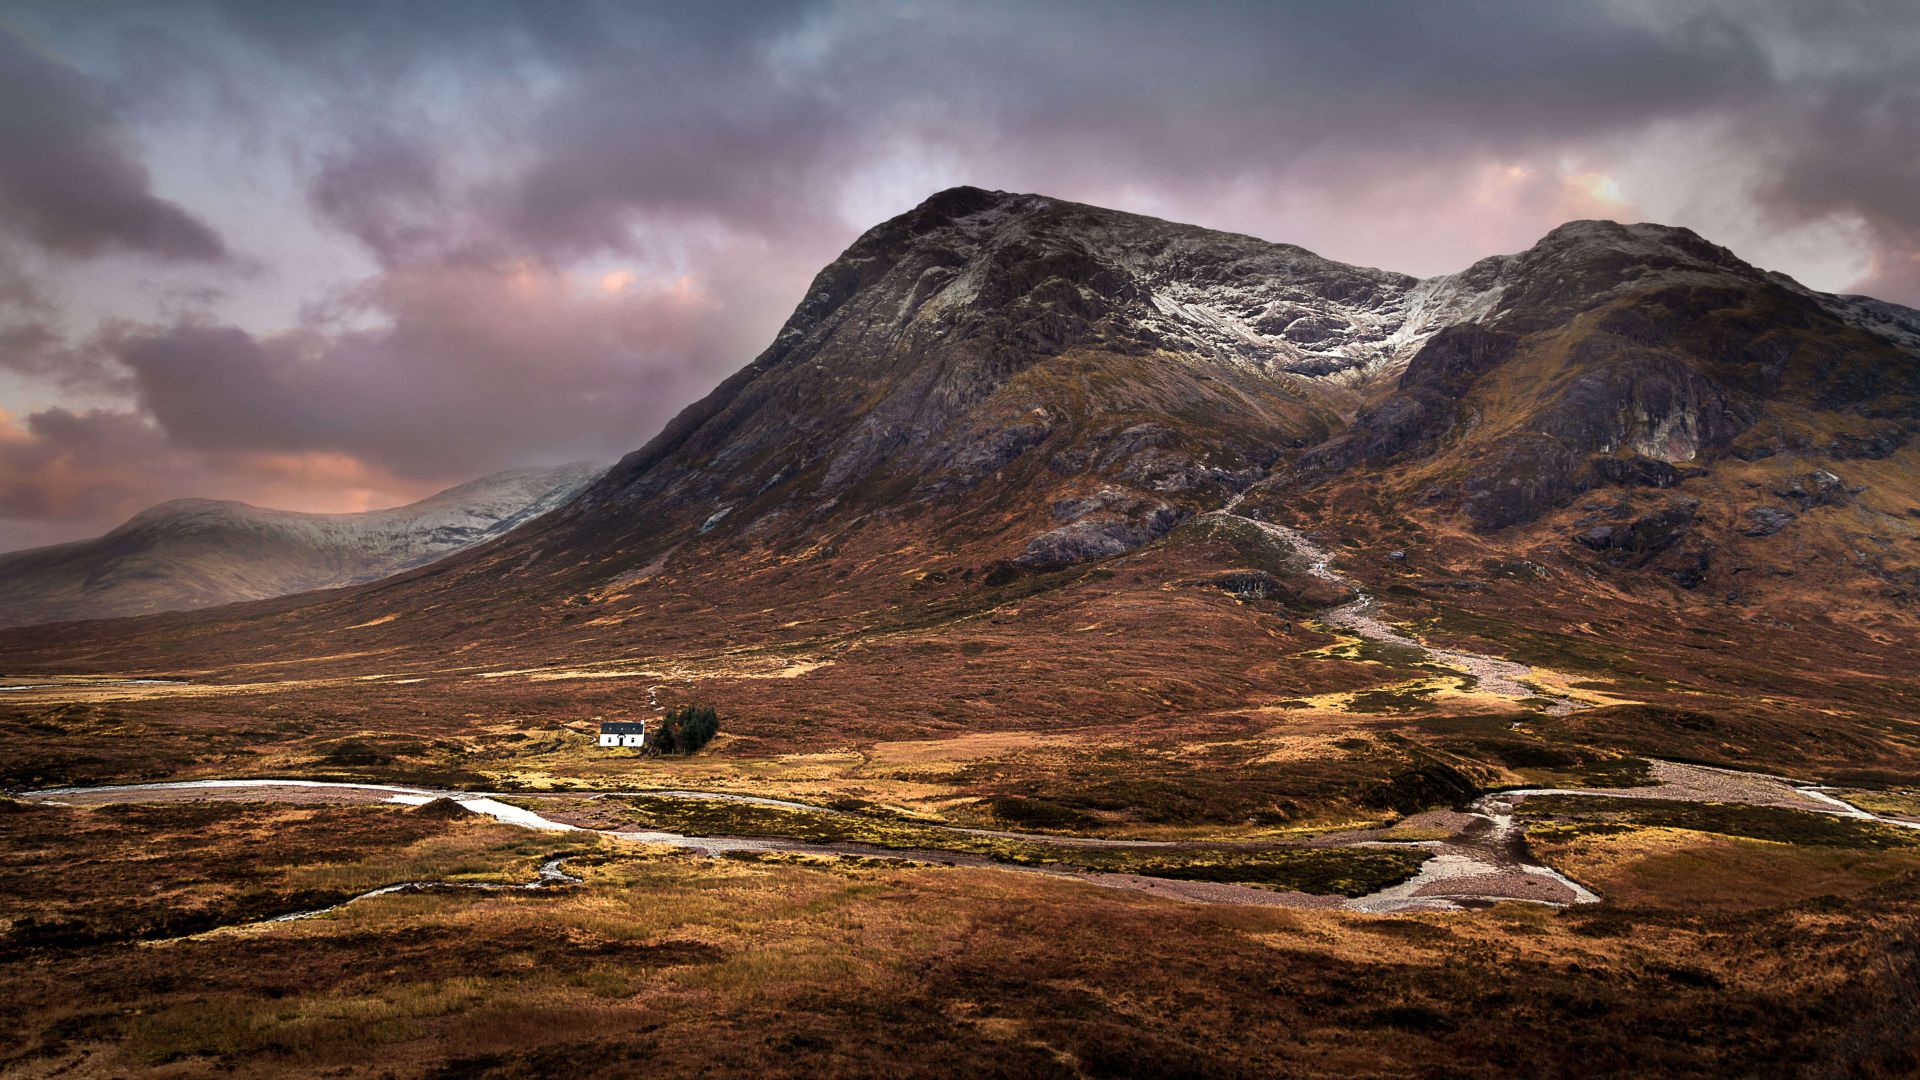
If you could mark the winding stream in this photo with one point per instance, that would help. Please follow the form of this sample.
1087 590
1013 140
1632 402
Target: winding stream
1484 860
551 876
1504 678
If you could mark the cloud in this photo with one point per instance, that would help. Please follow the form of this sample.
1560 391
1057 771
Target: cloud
383 190
70 181
37 349
67 474
65 465
1852 148
445 370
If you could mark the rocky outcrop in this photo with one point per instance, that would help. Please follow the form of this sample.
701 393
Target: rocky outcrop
1766 520
1100 525
1662 540
1651 403
1519 478
1425 406
1652 532
1817 488
1635 471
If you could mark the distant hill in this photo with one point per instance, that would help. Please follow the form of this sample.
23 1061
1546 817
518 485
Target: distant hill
191 553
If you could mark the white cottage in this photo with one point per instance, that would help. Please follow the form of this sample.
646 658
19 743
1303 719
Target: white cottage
623 733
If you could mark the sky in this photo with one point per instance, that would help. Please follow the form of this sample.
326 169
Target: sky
339 256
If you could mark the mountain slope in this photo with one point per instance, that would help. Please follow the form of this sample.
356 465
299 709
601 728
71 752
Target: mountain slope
995 394
192 553
1618 363
1067 379
1048 383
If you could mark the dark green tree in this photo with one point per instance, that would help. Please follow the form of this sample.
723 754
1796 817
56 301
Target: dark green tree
685 729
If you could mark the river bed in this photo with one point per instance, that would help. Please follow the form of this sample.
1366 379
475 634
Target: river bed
1483 861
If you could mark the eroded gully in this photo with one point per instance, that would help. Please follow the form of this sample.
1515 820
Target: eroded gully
1504 678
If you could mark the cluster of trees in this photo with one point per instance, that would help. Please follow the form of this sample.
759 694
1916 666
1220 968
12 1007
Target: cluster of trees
685 729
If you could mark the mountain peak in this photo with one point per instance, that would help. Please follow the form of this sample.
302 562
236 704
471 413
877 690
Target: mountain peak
1642 240
964 199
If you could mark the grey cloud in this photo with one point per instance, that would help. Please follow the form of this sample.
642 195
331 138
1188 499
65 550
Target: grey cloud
69 180
1852 147
217 388
447 370
35 348
385 191
761 129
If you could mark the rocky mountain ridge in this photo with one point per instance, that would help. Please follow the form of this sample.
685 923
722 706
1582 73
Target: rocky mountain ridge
1126 373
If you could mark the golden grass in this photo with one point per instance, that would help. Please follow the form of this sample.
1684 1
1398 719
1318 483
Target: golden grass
1663 867
1894 803
667 964
480 851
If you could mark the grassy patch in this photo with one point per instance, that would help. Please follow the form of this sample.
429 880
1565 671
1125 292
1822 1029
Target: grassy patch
1323 871
1890 803
1314 870
1773 823
1396 700
1536 648
141 872
1642 867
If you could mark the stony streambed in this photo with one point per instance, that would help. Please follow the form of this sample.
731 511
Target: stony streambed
552 874
1492 674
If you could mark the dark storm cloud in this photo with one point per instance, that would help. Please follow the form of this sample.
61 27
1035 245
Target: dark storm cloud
69 180
760 127
467 369
1854 148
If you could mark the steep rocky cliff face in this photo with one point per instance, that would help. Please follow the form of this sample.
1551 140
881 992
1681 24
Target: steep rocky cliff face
200 552
1626 355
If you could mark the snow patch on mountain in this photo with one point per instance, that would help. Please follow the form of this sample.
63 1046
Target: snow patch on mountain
191 553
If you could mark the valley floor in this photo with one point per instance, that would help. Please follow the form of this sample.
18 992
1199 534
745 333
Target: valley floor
146 950
272 927
1119 822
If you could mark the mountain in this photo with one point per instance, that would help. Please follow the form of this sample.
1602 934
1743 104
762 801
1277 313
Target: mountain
1019 464
191 553
1045 383
1000 361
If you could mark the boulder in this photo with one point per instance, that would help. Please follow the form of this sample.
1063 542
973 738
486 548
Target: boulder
1636 471
1650 533
1817 488
1766 520
441 809
1101 533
